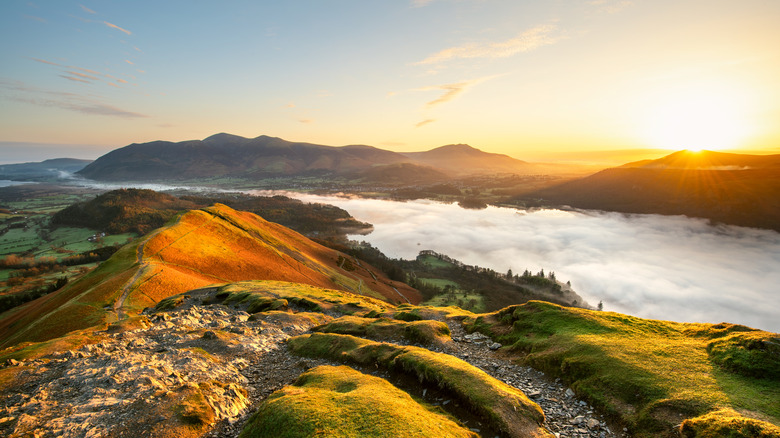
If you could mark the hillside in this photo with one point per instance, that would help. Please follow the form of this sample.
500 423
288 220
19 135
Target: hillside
224 324
234 156
230 157
201 247
462 159
726 188
141 210
42 171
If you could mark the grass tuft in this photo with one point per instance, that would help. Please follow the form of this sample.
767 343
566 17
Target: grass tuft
341 402
504 407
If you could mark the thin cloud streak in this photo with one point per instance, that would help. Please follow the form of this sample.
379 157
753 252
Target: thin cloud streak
526 41
74 79
424 122
65 100
451 91
114 26
87 10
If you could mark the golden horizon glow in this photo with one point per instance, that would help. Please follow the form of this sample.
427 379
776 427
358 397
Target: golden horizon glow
695 118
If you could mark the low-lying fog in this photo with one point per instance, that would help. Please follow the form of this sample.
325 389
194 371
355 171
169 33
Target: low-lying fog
660 267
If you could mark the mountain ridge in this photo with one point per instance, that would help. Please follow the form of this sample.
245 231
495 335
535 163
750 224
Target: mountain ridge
264 156
725 188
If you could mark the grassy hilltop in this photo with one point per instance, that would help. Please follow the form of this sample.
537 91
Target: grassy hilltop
655 378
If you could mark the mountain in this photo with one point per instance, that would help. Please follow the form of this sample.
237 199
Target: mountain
203 247
462 159
727 188
231 156
708 160
53 169
223 155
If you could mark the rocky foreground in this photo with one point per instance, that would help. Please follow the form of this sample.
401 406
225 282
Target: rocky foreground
200 370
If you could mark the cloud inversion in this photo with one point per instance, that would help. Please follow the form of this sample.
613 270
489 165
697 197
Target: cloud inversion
661 267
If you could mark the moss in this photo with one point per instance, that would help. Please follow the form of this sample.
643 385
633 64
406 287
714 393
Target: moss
342 402
648 374
751 353
408 316
423 332
170 303
726 423
504 407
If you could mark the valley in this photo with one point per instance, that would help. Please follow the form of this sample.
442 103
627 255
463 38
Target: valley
198 312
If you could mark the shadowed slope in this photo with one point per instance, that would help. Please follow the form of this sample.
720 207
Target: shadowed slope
729 188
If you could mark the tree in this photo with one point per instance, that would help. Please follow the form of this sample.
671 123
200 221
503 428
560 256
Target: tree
509 274
600 306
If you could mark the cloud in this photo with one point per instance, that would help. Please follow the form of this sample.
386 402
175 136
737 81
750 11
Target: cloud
74 79
424 122
306 121
451 91
121 81
420 3
660 267
117 27
129 61
35 18
45 61
83 75
524 42
64 100
87 10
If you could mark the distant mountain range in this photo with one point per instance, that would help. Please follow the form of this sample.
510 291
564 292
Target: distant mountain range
261 157
728 188
47 169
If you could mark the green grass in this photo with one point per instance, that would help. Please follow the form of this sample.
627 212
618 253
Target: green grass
649 374
726 423
341 402
259 296
504 407
473 302
439 282
423 332
434 262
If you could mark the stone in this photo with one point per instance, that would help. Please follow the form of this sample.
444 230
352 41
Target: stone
495 346
593 423
579 419
210 335
569 393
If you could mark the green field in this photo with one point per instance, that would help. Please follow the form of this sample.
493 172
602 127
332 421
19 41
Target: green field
474 302
434 262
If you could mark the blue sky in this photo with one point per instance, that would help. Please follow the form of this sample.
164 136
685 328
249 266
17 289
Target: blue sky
533 79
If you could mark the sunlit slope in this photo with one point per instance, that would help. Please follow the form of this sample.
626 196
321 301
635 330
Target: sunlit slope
221 245
203 247
652 375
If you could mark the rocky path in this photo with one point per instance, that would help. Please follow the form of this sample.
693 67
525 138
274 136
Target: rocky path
116 387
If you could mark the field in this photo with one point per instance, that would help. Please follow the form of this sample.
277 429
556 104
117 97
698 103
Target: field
27 237
474 302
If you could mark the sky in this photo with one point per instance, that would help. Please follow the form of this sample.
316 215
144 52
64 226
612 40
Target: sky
576 80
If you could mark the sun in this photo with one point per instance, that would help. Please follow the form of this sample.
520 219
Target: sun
697 119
